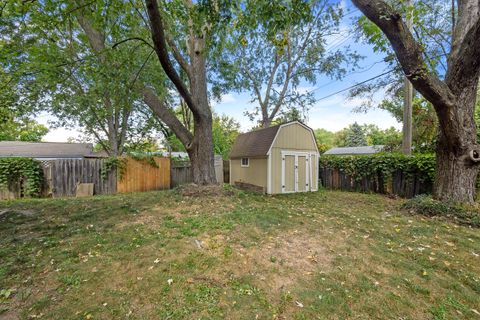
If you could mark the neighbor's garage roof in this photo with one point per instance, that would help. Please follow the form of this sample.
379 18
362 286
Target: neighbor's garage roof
45 149
355 150
254 143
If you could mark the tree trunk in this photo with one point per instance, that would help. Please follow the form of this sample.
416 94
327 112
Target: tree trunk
201 153
266 122
201 149
455 177
457 159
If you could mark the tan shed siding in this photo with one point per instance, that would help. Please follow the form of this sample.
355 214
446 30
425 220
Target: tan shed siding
255 173
295 137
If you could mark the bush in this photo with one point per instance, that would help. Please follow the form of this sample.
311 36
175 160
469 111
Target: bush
421 165
427 206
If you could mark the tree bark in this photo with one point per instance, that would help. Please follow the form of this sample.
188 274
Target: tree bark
456 171
201 150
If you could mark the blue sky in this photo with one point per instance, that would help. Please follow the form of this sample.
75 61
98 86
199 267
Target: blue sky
332 113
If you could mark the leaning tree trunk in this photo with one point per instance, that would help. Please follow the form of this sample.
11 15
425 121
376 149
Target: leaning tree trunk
457 159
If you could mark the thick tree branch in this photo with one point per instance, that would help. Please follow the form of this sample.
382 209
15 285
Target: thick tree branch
408 52
288 76
159 41
95 37
270 83
167 116
180 59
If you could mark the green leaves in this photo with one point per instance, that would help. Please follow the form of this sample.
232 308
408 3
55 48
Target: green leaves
15 170
422 165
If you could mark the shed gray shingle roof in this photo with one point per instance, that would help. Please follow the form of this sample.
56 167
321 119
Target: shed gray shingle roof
254 143
355 150
45 149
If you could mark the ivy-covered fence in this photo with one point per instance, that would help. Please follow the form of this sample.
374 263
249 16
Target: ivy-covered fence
20 177
405 176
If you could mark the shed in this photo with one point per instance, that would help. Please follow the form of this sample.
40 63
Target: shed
278 159
362 150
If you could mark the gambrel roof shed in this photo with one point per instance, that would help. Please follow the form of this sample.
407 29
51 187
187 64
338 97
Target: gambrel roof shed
278 159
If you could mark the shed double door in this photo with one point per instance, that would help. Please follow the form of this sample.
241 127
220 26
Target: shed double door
295 172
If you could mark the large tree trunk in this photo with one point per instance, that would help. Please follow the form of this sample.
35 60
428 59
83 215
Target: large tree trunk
455 177
201 153
201 149
457 168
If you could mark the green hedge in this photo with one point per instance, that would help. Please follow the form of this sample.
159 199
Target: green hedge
14 169
422 165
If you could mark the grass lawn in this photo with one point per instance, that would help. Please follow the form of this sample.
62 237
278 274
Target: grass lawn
163 255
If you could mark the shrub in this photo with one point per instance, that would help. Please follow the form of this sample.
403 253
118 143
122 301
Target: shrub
460 213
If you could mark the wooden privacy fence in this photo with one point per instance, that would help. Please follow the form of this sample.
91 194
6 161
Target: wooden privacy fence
398 184
63 177
140 176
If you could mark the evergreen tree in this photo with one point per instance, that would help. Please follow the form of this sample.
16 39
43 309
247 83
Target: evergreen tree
355 136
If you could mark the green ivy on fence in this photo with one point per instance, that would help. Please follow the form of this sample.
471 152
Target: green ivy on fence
29 170
360 166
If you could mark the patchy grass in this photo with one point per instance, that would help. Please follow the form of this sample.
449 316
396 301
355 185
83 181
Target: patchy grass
234 255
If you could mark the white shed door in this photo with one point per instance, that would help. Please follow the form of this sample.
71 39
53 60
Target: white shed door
296 172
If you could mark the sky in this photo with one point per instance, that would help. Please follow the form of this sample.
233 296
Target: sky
332 113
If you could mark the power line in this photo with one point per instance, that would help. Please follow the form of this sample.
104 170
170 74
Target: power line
355 85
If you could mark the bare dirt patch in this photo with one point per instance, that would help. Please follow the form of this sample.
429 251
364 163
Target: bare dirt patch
285 259
194 190
153 217
277 263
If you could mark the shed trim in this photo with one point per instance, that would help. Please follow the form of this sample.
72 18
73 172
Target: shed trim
269 174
